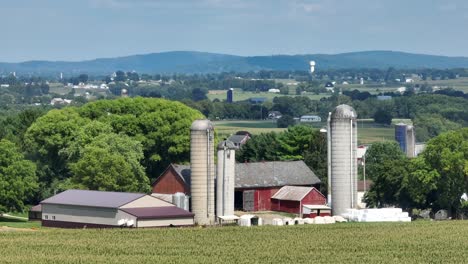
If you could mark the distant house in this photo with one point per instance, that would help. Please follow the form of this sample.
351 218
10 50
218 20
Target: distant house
274 90
255 182
330 87
83 208
60 101
274 115
310 118
239 140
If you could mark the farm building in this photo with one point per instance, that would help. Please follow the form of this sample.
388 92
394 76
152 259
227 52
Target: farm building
291 199
83 208
35 213
239 139
255 183
176 178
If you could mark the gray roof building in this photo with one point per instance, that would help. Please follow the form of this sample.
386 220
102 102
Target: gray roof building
84 208
264 174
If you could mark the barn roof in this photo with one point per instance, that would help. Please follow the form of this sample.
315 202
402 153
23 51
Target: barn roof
157 212
274 173
237 139
93 198
183 171
292 193
263 174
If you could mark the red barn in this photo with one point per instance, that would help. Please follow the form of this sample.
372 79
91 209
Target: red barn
292 199
176 178
255 183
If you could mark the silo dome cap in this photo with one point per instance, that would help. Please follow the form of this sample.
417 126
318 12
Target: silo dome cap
226 144
202 124
344 111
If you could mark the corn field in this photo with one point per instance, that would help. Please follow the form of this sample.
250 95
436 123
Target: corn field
417 242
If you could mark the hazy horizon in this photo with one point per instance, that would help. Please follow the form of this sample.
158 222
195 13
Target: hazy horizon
55 30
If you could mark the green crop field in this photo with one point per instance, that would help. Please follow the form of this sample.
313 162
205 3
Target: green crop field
417 242
368 131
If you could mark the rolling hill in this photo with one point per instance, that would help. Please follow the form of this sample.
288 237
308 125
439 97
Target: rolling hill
202 62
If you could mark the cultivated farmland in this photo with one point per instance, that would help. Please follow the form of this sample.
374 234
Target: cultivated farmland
417 242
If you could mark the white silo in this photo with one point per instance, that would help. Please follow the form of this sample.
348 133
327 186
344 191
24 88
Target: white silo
343 137
202 171
225 179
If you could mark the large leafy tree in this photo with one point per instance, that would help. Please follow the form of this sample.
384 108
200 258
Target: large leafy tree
59 138
18 181
111 162
447 155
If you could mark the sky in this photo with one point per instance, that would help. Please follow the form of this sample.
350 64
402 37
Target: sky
73 30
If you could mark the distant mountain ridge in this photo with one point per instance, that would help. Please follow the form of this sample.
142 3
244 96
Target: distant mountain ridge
190 62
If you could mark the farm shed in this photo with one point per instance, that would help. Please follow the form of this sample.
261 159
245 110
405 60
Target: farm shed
83 208
291 199
255 182
35 213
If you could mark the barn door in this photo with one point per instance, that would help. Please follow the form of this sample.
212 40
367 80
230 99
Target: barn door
249 200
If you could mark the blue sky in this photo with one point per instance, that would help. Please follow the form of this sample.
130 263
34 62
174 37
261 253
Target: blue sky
87 29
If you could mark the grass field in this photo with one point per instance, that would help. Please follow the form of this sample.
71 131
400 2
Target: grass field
417 242
240 95
368 131
457 84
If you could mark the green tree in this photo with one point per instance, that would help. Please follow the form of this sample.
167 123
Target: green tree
285 121
111 162
382 116
18 181
379 153
447 154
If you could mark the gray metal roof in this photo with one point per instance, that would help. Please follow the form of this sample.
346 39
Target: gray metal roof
93 198
237 139
274 173
265 174
292 193
184 172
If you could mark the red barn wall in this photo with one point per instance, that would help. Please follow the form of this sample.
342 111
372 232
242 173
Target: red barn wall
314 197
263 198
169 183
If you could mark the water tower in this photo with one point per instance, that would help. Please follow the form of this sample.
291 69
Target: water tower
203 173
342 131
312 66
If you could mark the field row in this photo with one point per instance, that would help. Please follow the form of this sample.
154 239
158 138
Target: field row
417 242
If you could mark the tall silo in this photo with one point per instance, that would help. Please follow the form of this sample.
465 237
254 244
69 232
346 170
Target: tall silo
400 136
230 95
343 137
410 141
202 171
225 179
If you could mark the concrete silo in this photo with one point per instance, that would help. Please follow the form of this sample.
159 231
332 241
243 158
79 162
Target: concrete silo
225 179
203 173
343 144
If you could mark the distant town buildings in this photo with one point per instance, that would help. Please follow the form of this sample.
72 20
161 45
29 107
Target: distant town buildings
310 118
